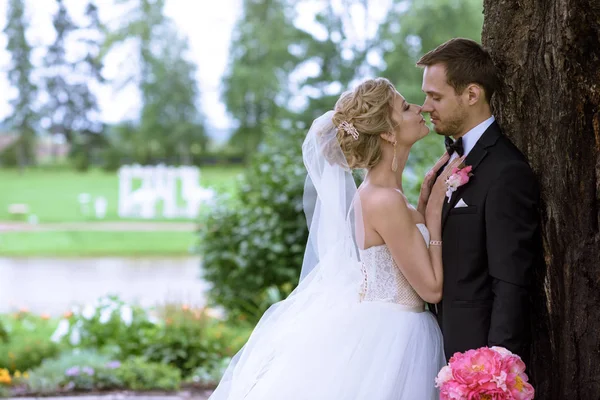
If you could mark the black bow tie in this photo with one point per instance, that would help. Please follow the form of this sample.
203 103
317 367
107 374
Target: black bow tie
454 146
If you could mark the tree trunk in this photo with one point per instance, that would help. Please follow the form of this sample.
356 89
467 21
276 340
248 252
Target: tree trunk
548 53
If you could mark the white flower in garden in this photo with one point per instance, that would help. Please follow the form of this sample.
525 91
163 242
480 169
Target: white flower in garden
88 312
126 314
104 301
105 315
75 337
214 313
152 318
61 330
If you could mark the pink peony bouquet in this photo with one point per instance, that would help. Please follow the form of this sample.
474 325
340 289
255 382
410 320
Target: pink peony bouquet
486 373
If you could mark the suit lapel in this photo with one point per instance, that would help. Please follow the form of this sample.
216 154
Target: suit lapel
474 158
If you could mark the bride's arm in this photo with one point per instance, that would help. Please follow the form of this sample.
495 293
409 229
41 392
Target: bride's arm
422 266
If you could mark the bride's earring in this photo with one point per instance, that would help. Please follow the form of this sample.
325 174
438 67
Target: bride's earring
395 160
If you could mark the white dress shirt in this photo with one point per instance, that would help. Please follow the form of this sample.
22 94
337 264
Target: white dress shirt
472 137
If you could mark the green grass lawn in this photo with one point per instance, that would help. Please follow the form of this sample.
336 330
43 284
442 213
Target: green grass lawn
52 194
92 244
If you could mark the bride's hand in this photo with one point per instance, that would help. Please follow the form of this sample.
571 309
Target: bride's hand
433 210
428 183
438 191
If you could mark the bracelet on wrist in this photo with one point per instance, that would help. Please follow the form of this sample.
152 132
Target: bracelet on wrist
435 242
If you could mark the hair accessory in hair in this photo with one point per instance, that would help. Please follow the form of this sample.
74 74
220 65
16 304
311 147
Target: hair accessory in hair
349 129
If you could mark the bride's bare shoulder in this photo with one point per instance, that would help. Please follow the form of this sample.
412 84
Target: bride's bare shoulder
381 201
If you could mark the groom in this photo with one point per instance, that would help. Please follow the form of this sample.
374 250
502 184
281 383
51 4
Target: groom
490 226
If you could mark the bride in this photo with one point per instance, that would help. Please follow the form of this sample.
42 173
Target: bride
356 326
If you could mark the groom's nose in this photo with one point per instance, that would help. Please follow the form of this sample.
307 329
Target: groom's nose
426 107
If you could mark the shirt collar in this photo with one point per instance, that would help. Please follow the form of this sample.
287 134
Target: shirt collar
472 137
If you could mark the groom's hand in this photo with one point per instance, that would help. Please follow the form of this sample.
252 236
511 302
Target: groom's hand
428 182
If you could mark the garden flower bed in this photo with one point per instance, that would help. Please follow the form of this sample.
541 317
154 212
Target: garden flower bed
113 346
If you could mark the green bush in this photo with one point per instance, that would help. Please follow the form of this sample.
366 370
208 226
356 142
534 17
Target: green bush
112 158
3 333
110 325
138 374
80 160
253 245
27 341
59 373
89 370
190 339
227 340
8 157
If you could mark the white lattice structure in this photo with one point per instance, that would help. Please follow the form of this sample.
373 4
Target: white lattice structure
159 184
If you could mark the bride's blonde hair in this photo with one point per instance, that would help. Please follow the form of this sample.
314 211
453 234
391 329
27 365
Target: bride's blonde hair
361 116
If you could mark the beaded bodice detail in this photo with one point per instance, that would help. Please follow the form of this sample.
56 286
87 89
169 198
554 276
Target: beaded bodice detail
383 280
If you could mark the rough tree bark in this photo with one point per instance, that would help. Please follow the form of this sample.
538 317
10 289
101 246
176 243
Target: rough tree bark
548 52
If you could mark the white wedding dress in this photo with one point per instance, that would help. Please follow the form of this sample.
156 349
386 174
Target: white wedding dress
354 328
384 346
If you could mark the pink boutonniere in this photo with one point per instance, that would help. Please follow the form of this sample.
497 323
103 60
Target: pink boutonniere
460 176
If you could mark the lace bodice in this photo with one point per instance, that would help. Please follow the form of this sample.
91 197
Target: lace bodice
383 280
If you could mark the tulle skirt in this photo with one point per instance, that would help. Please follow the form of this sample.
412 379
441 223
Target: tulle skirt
366 351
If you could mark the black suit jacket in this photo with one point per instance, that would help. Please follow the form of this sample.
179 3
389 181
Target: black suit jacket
489 250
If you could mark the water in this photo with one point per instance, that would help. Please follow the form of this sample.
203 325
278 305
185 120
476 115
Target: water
54 285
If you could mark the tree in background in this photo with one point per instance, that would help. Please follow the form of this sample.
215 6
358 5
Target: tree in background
71 108
170 125
256 83
170 113
341 56
413 28
548 53
23 119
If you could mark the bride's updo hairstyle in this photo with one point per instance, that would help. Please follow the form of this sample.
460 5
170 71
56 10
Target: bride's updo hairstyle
361 116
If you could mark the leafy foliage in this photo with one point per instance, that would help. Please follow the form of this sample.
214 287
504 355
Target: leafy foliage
25 342
256 83
190 339
253 246
23 118
170 125
111 325
139 374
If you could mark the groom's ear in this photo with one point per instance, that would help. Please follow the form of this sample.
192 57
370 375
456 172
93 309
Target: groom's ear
474 93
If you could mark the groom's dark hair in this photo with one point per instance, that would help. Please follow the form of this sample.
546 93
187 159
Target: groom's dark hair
466 62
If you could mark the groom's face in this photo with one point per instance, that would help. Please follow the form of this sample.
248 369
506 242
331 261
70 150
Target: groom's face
445 107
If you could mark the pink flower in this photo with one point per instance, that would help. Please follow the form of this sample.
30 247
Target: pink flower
488 391
484 374
476 367
445 375
463 174
513 365
519 388
502 350
453 391
459 177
